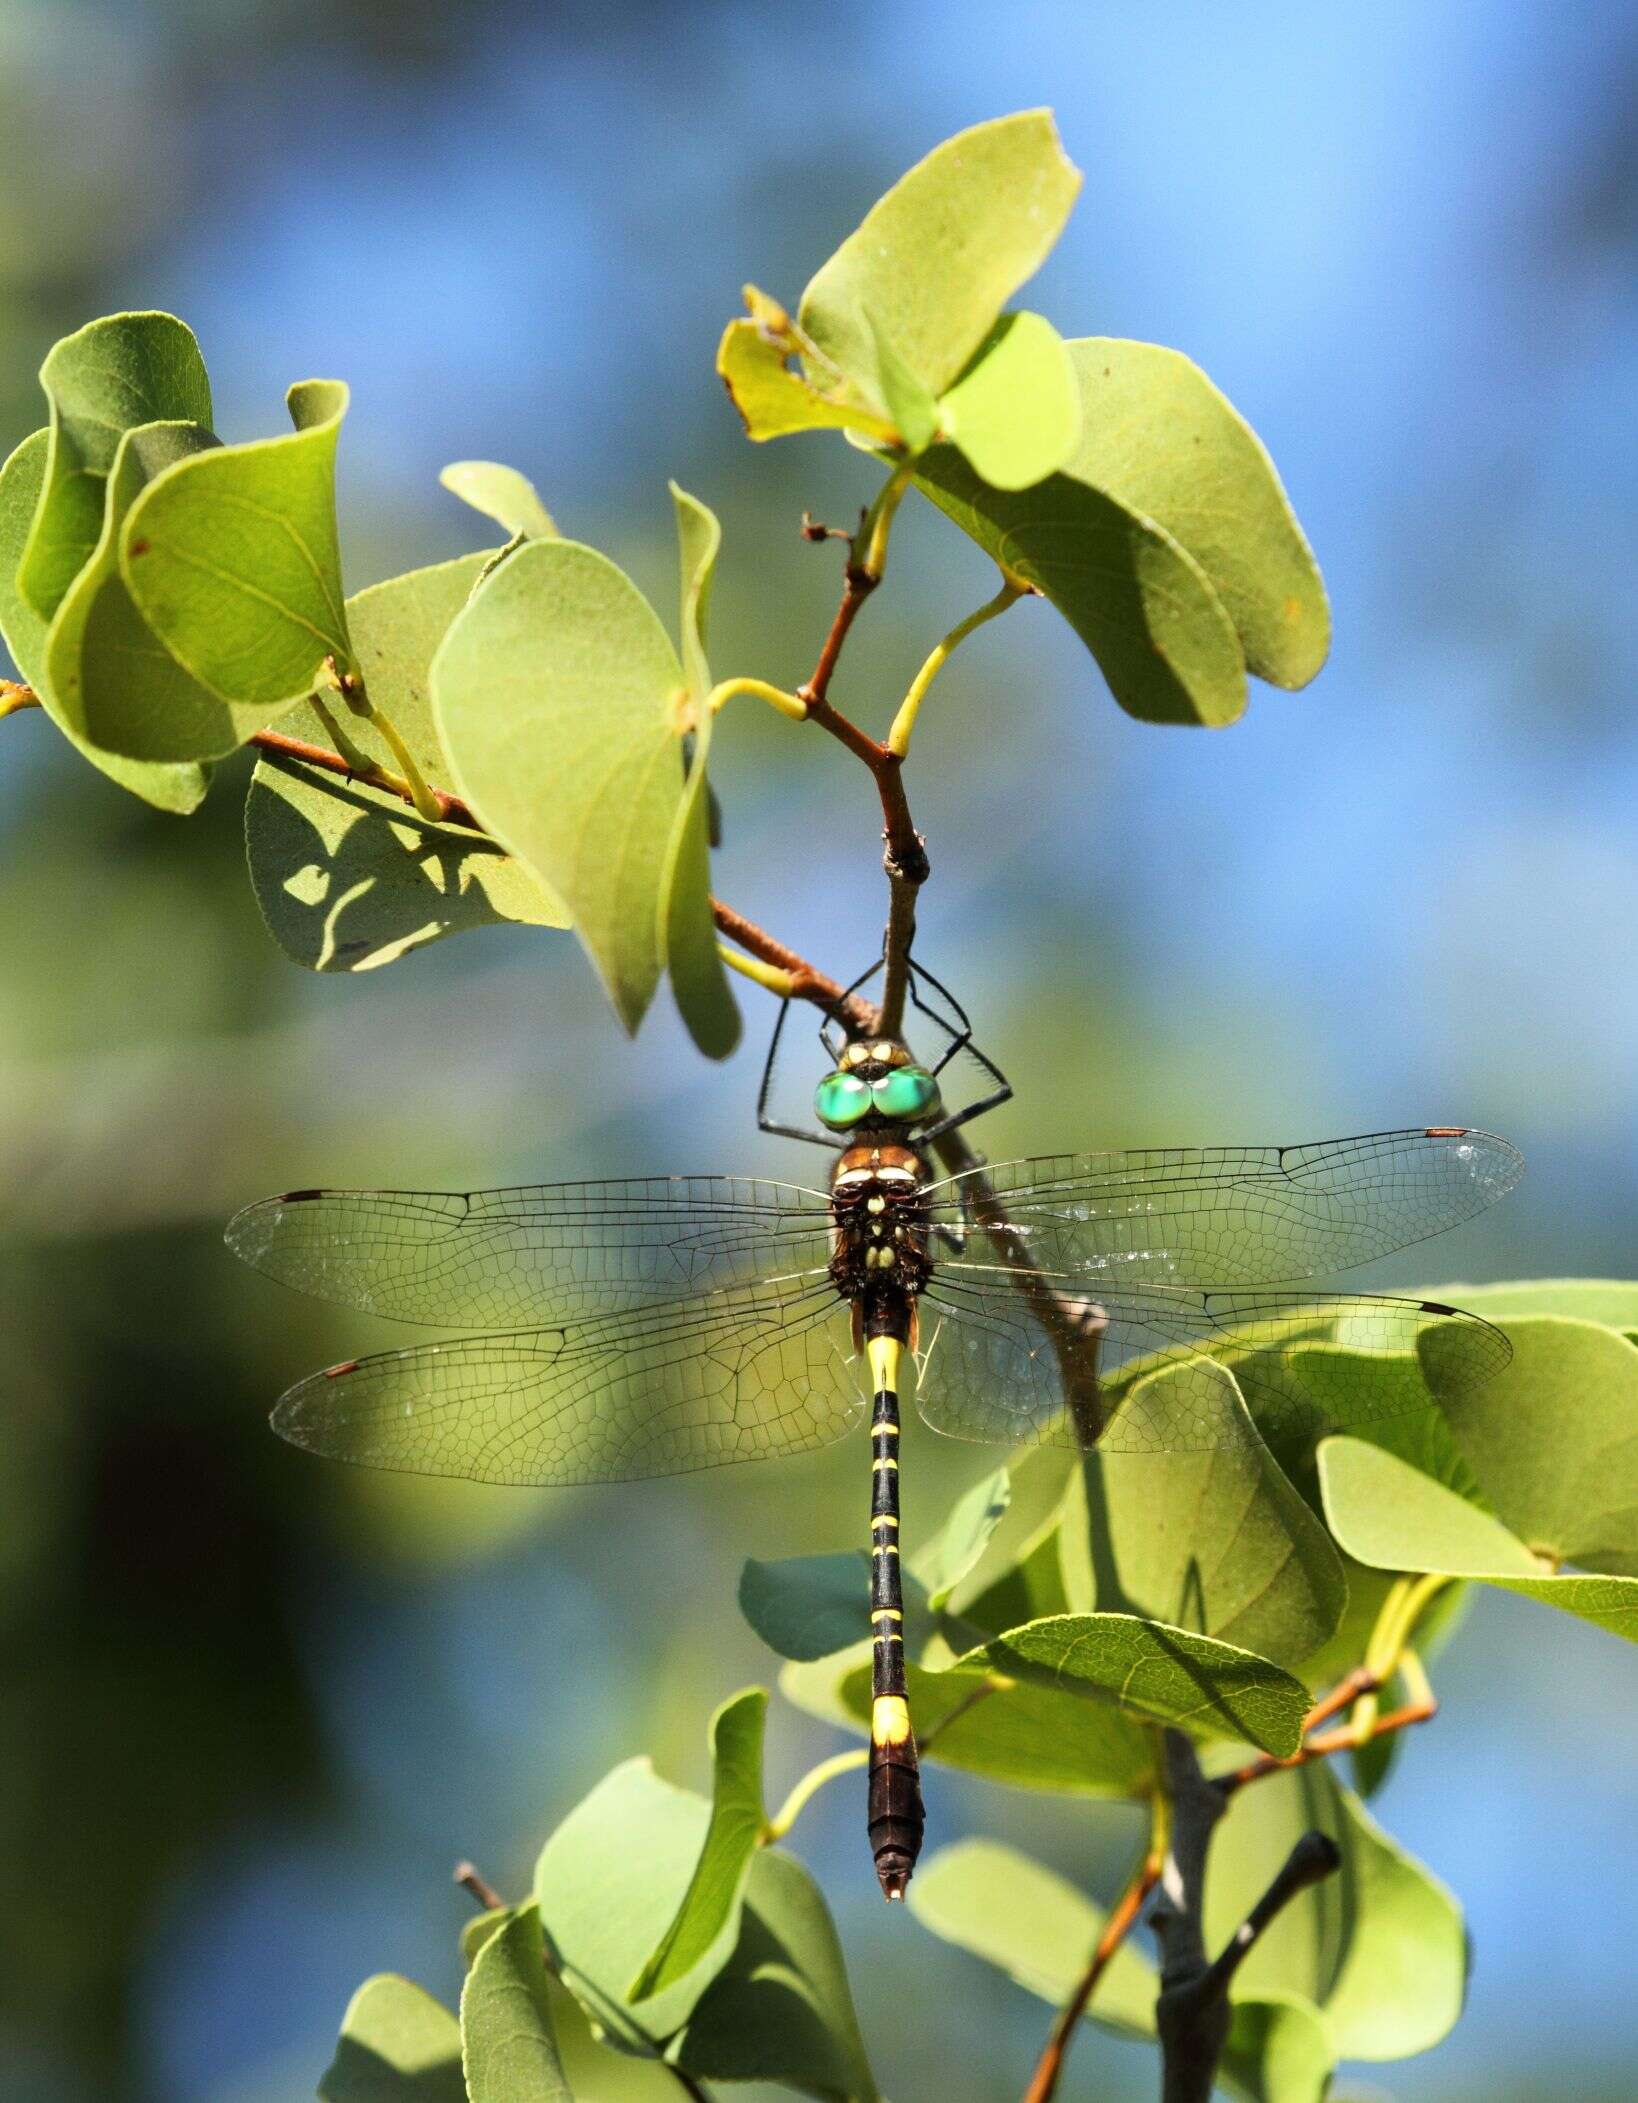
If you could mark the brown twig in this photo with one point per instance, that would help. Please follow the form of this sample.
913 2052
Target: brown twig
471 1879
1345 1740
1049 2067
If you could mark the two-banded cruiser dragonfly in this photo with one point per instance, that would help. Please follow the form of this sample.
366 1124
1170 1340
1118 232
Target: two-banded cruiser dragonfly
659 1324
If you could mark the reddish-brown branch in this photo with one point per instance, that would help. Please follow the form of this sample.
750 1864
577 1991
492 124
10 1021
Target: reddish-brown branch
472 1880
1049 2067
452 810
1328 1742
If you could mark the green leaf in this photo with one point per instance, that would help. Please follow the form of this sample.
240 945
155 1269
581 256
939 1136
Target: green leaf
954 1551
687 931
939 256
502 494
908 402
1163 443
347 876
706 1924
1612 1301
113 374
601 2073
172 788
782 2010
1140 602
508 2049
1029 1734
1016 411
773 400
1553 1440
1390 1515
398 2045
1217 1541
109 672
1385 1394
1157 1673
232 560
1379 1948
556 696
811 1606
1041 1931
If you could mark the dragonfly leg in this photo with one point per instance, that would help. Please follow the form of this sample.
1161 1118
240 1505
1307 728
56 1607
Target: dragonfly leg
896 1814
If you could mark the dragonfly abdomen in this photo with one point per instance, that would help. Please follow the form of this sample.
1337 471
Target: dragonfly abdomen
896 1817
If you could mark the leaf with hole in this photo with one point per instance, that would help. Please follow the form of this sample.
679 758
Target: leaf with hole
232 560
349 877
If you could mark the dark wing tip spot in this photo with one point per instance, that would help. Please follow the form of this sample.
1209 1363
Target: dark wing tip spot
298 1197
1438 1307
1446 1132
340 1372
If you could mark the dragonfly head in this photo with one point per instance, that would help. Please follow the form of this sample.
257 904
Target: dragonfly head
876 1083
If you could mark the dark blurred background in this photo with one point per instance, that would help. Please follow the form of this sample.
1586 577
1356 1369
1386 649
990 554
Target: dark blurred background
253 1709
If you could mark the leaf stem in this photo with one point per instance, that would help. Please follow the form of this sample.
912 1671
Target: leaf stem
809 1786
1122 1918
768 976
878 521
13 697
791 705
898 738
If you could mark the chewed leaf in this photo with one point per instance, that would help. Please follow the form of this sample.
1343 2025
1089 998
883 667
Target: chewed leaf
774 401
116 373
231 558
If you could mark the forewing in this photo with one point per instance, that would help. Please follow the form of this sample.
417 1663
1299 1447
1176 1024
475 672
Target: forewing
551 1252
989 1369
732 1377
1233 1216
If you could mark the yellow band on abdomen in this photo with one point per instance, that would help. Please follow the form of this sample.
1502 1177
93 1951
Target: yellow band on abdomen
889 1720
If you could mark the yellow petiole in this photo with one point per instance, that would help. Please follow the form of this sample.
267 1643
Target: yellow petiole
898 738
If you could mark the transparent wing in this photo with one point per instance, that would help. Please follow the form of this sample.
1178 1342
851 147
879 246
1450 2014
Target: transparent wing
1232 1216
1141 1372
731 1377
498 1259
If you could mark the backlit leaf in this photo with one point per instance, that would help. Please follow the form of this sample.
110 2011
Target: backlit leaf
232 560
1016 411
116 373
938 257
773 400
706 1924
556 694
348 877
687 931
502 494
1166 445
172 788
908 402
398 2045
508 2049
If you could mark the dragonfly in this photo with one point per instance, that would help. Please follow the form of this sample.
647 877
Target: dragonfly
654 1325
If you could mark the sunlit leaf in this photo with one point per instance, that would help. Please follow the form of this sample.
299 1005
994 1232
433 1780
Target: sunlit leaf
1165 444
398 2045
954 1551
1379 1948
508 2049
908 402
556 694
348 877
938 257
500 493
232 560
706 1924
1030 1923
687 931
1392 1516
113 374
773 400
172 788
1016 411
1217 1541
1612 1301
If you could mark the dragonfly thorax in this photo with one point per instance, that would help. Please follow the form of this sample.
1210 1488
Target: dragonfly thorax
878 1202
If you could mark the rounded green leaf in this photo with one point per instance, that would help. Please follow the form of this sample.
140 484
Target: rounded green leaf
232 559
1016 411
1393 1517
500 493
1141 603
116 373
1379 1948
556 696
811 1606
1612 1301
687 931
705 1926
508 2049
1164 443
954 1551
939 256
398 2045
348 877
172 788
1216 1541
908 402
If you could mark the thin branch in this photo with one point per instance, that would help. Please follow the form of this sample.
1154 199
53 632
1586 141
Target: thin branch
1049 2068
474 1881
13 697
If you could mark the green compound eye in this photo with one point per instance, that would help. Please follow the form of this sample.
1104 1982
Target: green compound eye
907 1094
840 1100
